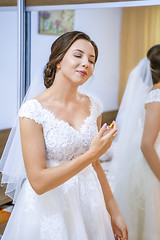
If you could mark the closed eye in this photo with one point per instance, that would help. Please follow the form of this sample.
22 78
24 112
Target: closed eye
78 56
91 62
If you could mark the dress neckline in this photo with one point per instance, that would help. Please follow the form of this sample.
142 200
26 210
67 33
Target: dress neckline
65 122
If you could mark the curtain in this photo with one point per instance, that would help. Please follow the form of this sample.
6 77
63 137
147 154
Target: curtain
139 31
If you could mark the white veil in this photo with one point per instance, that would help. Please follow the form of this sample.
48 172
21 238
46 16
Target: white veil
11 163
130 121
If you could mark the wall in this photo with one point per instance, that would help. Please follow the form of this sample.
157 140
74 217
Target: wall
103 25
8 68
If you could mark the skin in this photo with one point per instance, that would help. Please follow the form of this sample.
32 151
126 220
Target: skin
150 133
69 105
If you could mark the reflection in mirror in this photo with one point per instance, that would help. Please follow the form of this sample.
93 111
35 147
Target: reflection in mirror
123 36
135 166
139 31
110 29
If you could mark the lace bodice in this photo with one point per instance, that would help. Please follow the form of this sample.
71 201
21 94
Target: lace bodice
62 141
154 96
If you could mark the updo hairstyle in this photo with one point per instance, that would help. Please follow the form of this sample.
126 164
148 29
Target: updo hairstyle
153 56
59 49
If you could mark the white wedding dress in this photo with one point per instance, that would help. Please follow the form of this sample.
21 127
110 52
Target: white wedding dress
138 191
74 210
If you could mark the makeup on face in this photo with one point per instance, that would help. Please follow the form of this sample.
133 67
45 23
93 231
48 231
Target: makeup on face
79 54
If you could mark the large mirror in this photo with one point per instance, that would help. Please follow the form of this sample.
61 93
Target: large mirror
123 36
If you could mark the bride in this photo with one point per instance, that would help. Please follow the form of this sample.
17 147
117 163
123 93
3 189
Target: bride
135 169
62 192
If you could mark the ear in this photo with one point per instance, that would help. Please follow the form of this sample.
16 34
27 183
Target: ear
58 66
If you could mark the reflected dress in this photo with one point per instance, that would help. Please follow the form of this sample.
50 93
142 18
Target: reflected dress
74 210
138 193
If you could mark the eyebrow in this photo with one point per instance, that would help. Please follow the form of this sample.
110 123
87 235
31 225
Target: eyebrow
82 52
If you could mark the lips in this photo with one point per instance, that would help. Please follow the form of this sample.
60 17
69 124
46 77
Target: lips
81 72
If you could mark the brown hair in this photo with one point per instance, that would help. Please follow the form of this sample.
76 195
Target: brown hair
153 56
59 49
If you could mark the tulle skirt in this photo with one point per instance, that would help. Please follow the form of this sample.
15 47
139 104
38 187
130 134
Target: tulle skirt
138 196
73 211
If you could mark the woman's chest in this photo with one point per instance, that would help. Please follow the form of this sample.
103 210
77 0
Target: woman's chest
63 142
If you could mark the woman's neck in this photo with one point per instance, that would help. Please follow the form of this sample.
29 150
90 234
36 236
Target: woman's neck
156 86
63 91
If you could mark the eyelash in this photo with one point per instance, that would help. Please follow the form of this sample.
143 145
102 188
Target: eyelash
78 56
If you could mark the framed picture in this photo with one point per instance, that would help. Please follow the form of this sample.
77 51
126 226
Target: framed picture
56 22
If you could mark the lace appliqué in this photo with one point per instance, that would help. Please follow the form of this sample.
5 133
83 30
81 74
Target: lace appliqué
153 96
53 227
31 110
62 141
98 107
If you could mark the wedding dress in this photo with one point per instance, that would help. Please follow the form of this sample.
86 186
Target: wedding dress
140 203
135 187
74 210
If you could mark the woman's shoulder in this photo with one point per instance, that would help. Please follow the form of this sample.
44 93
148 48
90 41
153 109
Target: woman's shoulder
95 103
31 109
29 105
153 96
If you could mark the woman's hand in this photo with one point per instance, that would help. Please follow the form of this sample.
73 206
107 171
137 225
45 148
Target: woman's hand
119 228
103 140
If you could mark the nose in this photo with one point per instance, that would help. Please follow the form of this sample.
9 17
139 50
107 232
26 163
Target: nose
85 62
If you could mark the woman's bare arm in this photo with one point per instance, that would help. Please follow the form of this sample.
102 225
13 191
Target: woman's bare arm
150 133
111 205
43 179
118 224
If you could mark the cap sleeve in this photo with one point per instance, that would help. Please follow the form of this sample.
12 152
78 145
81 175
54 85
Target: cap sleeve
97 107
31 110
153 96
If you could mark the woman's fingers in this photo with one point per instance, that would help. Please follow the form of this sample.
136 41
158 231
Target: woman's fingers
125 234
111 133
119 238
122 236
108 133
103 130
